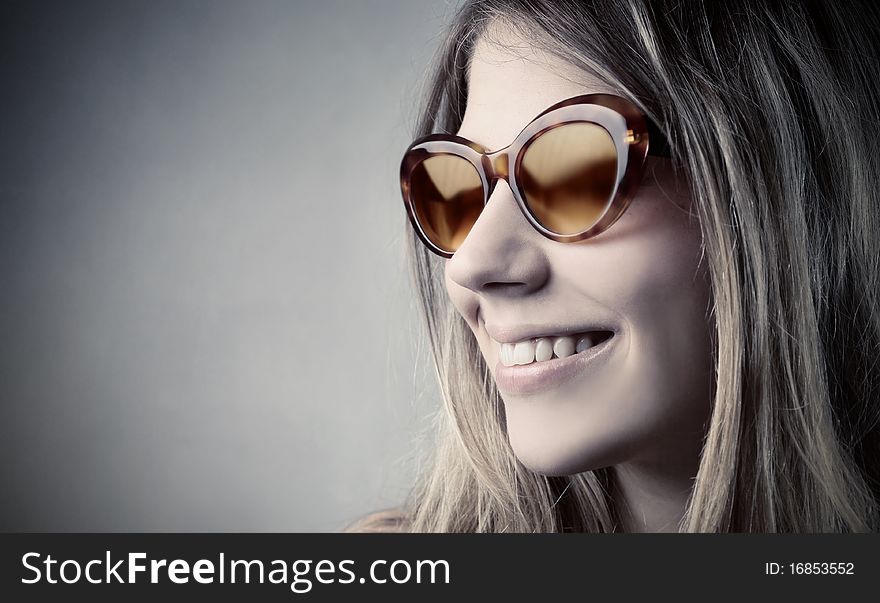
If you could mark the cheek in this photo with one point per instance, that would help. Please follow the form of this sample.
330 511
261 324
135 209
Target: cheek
662 292
652 258
652 402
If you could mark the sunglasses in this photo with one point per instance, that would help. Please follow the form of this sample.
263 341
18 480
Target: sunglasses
573 171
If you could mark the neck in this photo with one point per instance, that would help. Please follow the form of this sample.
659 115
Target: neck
651 491
651 498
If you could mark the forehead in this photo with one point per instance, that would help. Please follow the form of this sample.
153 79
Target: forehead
511 82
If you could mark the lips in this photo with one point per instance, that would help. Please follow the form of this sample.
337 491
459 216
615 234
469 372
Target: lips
535 359
546 348
540 377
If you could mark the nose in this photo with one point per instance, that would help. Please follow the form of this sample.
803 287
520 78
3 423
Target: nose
502 253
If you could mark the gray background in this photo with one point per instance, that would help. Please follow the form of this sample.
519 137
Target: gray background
205 318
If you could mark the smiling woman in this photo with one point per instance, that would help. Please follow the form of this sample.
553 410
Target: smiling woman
645 237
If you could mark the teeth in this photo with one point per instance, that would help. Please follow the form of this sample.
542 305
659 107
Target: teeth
583 343
524 352
506 354
563 347
543 349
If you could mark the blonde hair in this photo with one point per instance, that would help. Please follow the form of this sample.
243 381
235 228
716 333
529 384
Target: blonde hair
771 111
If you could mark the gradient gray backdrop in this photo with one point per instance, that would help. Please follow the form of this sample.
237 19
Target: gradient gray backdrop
205 319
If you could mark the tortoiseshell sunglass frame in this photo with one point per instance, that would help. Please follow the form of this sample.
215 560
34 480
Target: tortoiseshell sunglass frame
634 137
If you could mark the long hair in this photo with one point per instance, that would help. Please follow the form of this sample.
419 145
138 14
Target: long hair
771 110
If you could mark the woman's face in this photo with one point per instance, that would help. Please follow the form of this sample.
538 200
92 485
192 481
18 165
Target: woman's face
642 395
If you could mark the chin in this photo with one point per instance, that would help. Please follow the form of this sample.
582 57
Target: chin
551 467
553 456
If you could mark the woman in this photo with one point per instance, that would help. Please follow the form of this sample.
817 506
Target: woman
657 307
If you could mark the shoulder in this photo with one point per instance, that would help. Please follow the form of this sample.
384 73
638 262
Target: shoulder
388 520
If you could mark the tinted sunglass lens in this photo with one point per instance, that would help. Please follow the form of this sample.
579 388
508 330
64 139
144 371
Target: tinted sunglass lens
568 175
447 196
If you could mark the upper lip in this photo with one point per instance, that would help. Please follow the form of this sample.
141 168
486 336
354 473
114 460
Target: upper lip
524 332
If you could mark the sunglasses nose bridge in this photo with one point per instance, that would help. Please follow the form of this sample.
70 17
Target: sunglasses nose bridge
497 166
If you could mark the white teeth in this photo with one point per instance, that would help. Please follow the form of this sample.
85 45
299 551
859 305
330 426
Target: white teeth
544 349
585 342
524 352
563 347
506 354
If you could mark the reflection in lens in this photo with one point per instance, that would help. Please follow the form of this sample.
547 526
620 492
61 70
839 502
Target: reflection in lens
447 194
568 175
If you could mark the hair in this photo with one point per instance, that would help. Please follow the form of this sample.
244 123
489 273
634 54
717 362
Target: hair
771 112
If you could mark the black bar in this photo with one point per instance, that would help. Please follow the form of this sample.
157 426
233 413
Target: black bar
521 566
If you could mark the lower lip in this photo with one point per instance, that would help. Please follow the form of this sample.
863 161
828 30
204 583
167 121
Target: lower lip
526 379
